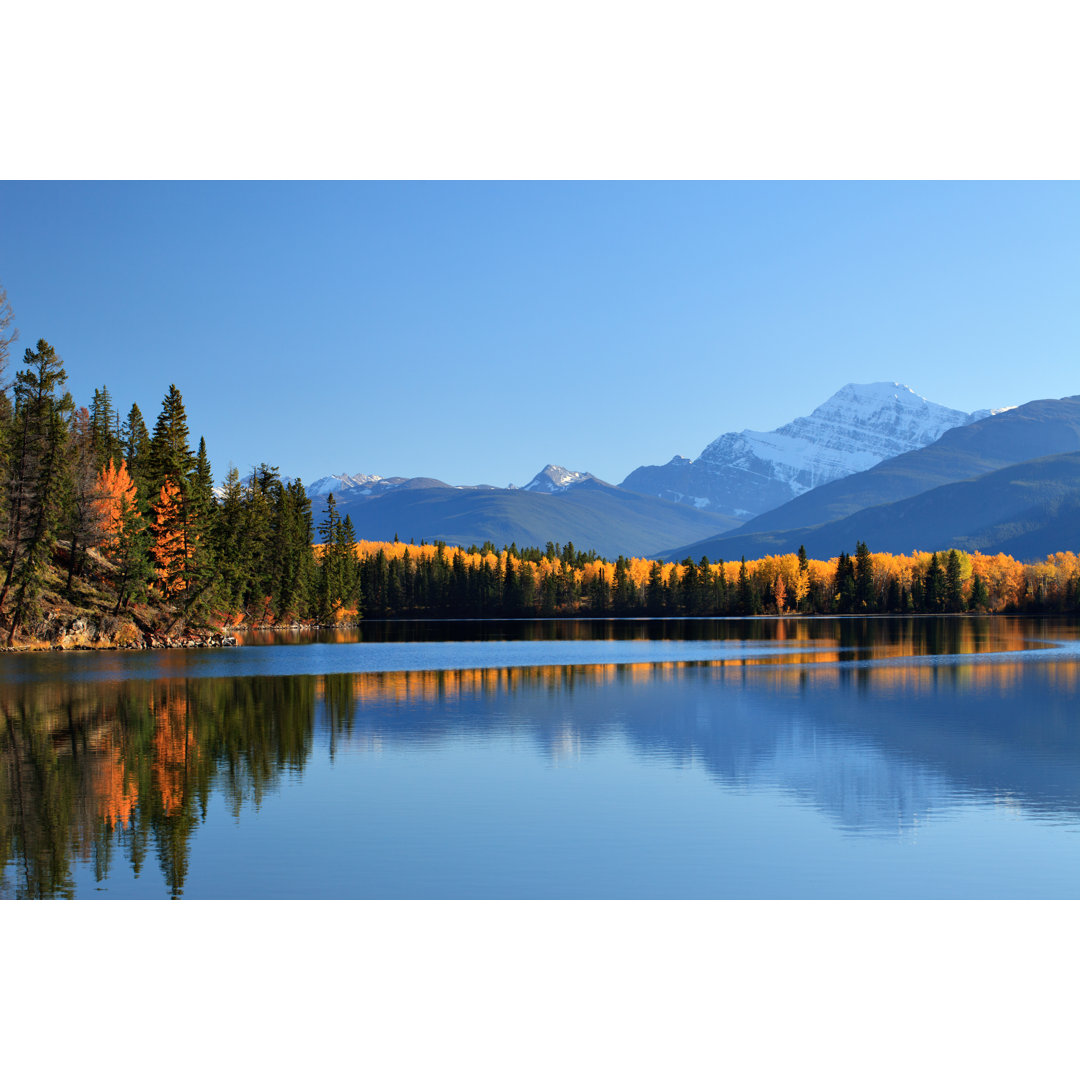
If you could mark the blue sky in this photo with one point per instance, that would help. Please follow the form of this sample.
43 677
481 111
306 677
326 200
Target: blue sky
477 331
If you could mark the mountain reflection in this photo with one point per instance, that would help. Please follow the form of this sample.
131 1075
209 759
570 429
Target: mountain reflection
92 772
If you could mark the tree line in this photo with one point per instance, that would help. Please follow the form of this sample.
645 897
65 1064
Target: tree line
397 579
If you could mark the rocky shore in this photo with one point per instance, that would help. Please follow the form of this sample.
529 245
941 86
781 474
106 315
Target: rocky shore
53 632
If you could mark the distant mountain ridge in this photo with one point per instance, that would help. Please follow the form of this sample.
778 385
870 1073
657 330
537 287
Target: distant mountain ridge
908 497
590 513
553 479
749 472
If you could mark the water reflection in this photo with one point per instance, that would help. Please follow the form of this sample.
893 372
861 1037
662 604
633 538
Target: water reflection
93 772
909 636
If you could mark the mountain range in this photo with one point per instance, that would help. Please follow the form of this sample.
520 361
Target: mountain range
746 473
875 462
902 502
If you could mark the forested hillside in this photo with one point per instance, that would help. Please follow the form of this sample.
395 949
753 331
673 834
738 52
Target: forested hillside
102 517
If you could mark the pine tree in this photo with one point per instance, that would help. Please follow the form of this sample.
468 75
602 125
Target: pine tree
654 590
745 593
199 511
40 431
231 549
348 562
298 569
625 595
934 587
980 595
103 437
864 579
331 585
170 455
954 594
844 584
81 517
136 448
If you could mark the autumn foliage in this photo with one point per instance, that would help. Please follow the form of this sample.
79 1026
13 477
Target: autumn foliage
115 496
169 547
401 579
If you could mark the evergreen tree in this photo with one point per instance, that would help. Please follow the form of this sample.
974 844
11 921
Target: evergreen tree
844 584
745 593
980 595
81 513
654 590
864 579
170 455
954 592
298 571
894 600
104 440
40 431
136 448
625 595
934 587
230 549
331 583
721 602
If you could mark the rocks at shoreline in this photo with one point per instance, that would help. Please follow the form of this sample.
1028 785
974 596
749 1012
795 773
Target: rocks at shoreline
201 640
55 632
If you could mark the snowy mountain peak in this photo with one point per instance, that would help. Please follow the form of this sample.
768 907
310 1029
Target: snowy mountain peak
860 425
554 478
748 472
340 482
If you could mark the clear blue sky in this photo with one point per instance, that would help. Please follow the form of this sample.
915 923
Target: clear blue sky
476 331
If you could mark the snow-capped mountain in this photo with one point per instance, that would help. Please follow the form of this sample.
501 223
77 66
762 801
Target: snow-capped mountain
748 472
552 479
356 483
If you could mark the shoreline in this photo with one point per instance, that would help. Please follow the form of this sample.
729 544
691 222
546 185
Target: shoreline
86 635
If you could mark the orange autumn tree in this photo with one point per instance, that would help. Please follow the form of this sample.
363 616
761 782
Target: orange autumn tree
115 495
169 550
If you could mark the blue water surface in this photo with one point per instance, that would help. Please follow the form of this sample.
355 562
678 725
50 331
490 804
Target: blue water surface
892 759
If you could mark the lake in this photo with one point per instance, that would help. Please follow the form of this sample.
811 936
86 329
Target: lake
714 758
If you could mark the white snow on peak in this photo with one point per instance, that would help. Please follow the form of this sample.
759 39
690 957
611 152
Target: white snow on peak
340 482
554 478
860 425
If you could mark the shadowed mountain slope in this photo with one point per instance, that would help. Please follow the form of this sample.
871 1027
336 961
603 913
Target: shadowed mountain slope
1028 511
1037 429
591 514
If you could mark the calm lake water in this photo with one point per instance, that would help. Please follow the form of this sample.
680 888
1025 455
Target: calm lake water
801 758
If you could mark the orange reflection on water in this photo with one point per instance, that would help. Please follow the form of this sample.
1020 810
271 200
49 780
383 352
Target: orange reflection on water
114 788
174 745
